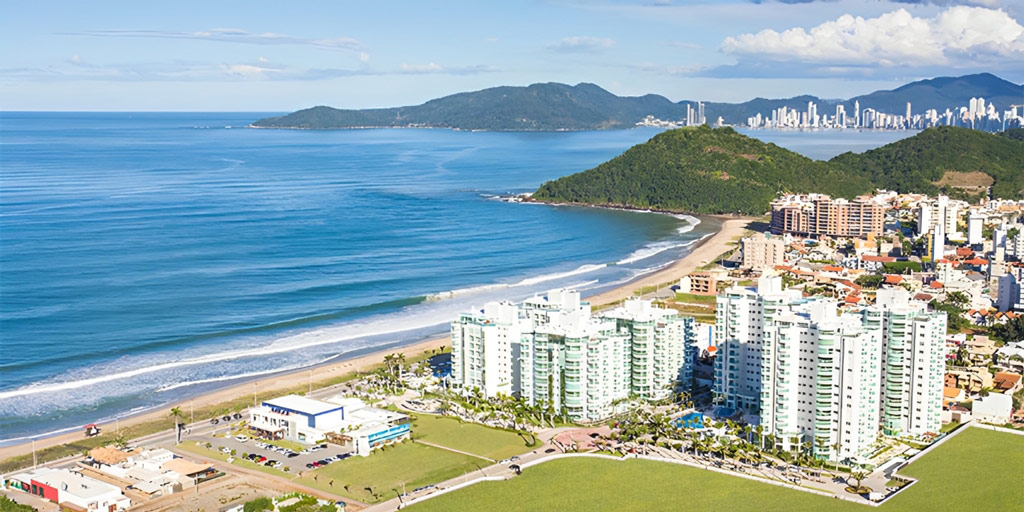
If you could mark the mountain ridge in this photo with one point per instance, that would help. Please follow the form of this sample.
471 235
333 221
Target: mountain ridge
553 106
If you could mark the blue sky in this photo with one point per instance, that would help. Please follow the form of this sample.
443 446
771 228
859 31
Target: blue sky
282 56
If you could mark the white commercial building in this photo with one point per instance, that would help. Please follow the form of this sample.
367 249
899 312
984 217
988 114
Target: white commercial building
994 408
1010 294
551 351
71 489
340 420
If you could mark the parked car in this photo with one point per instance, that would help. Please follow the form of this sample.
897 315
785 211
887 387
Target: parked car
214 421
310 466
241 438
292 454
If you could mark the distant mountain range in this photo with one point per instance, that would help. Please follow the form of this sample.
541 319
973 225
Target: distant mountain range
561 107
705 170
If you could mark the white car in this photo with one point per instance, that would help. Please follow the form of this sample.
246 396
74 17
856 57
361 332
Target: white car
241 439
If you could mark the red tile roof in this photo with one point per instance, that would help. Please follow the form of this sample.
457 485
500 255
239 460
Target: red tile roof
852 299
833 268
923 296
976 261
893 279
879 259
964 251
935 284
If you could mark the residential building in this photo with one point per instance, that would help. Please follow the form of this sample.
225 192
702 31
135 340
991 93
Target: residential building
572 361
820 379
741 314
994 408
761 252
833 381
1011 290
820 215
913 346
699 283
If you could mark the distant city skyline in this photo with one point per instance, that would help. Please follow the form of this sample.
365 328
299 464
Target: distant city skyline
264 56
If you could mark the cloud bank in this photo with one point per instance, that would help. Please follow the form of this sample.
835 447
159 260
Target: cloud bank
956 36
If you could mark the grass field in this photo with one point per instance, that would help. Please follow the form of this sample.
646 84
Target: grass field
408 463
977 470
468 437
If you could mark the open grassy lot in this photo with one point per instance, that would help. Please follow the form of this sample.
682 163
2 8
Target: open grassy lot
977 470
468 437
409 463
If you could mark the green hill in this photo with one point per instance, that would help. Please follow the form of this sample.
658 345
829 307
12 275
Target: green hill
704 170
701 170
538 107
943 159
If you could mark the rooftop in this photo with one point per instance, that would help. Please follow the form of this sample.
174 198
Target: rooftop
74 483
302 405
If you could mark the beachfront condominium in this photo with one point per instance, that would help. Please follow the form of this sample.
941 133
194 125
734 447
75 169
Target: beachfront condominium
824 381
553 352
820 215
819 380
914 350
741 314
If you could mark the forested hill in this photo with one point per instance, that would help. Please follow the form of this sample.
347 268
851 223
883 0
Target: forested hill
538 107
701 170
704 170
944 159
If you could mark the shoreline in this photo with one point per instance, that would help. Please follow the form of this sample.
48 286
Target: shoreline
704 252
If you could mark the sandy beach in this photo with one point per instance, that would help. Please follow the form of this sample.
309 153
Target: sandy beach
707 250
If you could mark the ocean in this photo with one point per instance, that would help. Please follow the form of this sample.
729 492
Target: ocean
149 257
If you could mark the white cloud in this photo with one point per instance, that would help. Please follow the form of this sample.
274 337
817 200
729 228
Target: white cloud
232 35
582 44
956 36
364 57
430 67
248 70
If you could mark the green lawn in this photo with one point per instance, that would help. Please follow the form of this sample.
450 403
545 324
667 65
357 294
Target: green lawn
410 463
977 470
203 451
695 299
468 437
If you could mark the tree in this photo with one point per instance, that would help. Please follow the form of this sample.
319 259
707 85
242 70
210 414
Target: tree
858 475
176 415
1011 331
260 504
870 281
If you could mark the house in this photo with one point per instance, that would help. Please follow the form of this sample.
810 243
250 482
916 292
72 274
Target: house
1006 382
1011 356
994 408
951 395
967 378
980 349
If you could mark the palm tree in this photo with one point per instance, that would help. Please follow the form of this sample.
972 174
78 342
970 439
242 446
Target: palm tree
175 415
837 446
858 475
760 437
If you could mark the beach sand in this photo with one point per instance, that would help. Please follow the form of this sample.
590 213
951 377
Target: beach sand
710 248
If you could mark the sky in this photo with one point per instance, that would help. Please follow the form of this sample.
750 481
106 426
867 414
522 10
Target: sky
273 56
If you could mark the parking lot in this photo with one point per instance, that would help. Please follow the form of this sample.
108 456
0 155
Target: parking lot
297 461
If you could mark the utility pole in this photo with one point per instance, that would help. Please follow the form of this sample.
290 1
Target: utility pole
34 463
191 412
253 395
311 382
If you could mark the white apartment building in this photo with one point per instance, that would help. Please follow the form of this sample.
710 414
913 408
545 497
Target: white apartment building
913 347
482 348
554 352
828 380
741 315
1011 289
820 380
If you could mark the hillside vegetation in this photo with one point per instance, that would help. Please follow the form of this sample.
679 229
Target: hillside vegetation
705 170
538 107
918 163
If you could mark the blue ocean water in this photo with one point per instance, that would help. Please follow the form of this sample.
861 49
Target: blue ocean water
147 257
